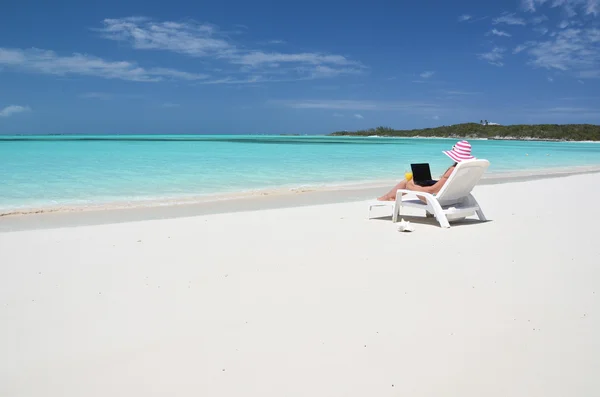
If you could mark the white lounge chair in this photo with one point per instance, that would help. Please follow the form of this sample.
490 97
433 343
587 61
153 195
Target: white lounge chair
454 201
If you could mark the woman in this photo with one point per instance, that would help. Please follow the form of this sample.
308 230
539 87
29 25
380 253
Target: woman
461 151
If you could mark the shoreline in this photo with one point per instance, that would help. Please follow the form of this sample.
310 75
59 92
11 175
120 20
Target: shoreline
177 137
282 191
471 138
238 202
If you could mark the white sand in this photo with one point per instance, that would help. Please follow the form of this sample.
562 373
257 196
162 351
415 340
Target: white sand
311 301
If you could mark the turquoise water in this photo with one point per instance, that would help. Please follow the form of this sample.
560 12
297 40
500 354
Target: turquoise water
47 171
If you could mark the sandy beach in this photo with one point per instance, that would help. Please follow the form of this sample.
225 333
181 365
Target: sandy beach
311 301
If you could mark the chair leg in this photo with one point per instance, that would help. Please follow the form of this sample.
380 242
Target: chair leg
480 215
479 211
443 221
397 208
439 214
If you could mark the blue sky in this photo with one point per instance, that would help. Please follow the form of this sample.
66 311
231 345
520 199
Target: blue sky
295 67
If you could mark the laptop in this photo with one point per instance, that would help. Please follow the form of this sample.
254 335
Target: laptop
422 174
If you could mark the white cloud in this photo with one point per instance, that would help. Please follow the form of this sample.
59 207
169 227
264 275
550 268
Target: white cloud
331 104
592 7
256 58
176 74
427 74
509 19
185 38
242 81
530 5
109 95
589 74
48 62
357 105
565 109
206 41
580 82
574 50
570 11
436 117
13 109
500 33
301 73
464 18
519 48
563 24
359 116
493 57
327 87
541 30
96 95
457 92
589 7
539 19
550 79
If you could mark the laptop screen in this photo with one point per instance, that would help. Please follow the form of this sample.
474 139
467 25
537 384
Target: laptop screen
421 172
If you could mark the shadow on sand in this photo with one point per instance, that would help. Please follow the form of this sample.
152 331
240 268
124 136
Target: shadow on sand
421 220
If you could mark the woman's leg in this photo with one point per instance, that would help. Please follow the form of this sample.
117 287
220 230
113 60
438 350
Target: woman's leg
391 195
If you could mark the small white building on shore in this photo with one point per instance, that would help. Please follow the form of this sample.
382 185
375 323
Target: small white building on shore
485 122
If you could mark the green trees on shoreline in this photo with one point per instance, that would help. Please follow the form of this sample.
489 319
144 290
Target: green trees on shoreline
567 132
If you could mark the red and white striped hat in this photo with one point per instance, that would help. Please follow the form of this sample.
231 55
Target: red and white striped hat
460 151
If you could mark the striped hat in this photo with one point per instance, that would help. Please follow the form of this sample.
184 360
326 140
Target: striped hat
460 152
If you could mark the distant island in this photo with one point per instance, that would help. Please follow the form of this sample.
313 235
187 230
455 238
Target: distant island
547 132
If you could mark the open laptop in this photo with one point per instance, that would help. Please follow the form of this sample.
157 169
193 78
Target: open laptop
422 174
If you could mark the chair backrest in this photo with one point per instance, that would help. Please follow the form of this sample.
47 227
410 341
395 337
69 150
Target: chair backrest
462 180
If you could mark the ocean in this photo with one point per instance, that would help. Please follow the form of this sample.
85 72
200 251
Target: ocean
38 172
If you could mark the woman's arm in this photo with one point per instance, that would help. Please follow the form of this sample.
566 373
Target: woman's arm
410 185
433 188
439 184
